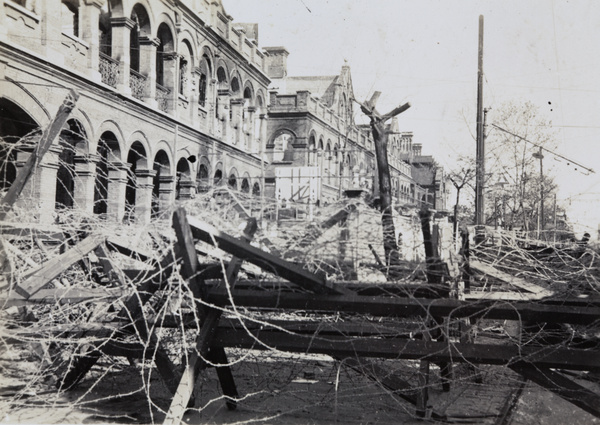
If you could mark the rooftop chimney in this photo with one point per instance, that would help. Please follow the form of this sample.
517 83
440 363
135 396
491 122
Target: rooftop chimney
416 147
276 61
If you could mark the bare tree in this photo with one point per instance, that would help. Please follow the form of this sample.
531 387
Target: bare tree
460 177
517 136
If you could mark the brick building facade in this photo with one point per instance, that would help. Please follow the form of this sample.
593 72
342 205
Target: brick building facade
173 100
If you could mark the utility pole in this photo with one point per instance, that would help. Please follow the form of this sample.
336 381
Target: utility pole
539 155
480 156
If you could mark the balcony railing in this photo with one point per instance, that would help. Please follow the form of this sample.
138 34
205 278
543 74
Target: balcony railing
137 83
162 97
109 70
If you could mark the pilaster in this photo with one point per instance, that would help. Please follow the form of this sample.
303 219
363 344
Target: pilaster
117 183
121 29
85 178
148 47
143 195
90 33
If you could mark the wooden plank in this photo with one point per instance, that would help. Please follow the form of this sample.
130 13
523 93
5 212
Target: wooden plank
364 328
406 307
423 394
57 265
505 415
16 251
399 348
125 247
132 312
186 251
71 295
218 357
195 362
316 230
503 296
562 386
264 260
505 277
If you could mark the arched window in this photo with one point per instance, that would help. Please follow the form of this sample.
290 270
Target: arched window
107 151
245 186
163 52
72 139
218 177
185 62
235 85
134 43
162 167
15 123
205 72
232 181
222 78
311 151
202 180
69 17
105 28
283 149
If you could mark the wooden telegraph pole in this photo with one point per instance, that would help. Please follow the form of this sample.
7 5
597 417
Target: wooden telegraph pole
480 157
380 138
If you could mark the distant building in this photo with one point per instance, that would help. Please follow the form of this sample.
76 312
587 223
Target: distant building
316 151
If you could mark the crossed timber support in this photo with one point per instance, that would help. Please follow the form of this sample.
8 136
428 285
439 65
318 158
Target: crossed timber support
200 355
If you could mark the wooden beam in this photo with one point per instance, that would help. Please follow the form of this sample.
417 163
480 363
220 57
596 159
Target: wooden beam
561 385
317 230
196 360
66 296
511 280
262 259
186 251
399 348
406 307
125 247
132 313
57 265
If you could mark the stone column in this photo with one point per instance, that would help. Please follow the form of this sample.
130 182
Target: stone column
121 29
249 137
211 107
143 195
39 194
187 189
117 183
166 191
223 114
90 33
194 97
50 26
170 79
148 47
85 178
262 138
237 110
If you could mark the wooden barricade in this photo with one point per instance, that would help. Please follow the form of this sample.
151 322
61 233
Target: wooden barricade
352 344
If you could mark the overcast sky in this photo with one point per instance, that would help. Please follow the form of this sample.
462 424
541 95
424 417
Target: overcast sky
425 52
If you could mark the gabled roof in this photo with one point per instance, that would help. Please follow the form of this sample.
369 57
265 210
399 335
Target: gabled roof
320 86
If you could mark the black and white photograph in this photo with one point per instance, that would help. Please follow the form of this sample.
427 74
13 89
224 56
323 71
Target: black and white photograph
300 212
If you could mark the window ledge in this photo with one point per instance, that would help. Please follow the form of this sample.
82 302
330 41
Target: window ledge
76 39
22 10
